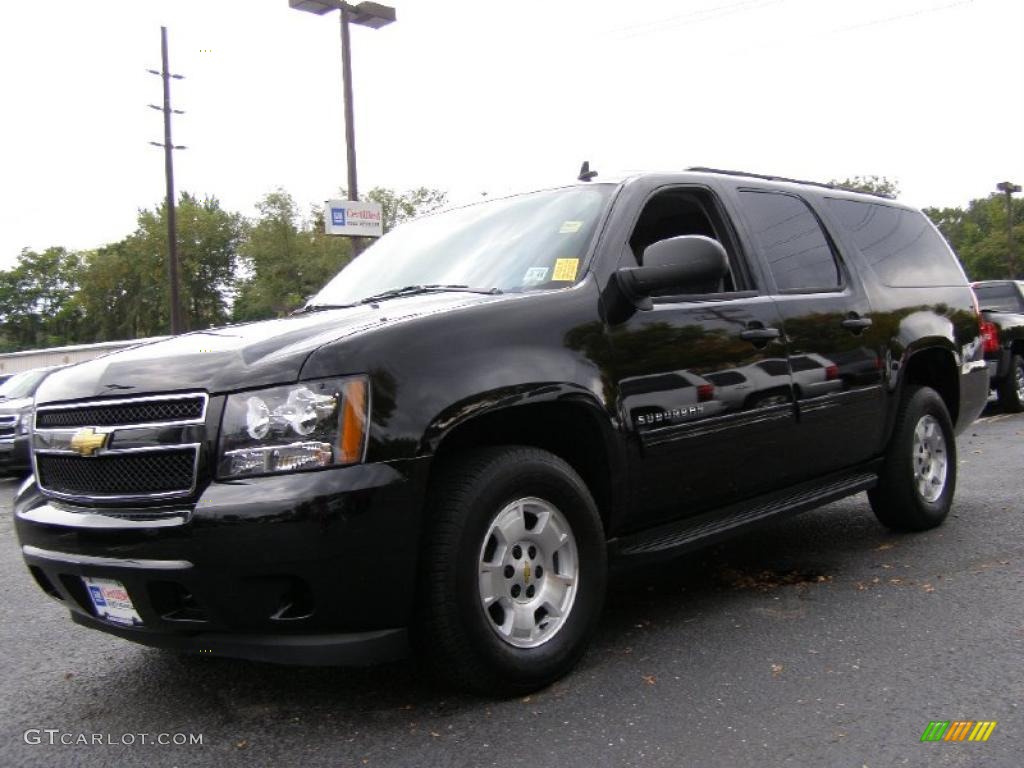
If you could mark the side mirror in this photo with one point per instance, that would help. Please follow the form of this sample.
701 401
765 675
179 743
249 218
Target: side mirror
689 263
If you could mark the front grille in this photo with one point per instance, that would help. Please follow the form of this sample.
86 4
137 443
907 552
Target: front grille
123 413
7 426
124 474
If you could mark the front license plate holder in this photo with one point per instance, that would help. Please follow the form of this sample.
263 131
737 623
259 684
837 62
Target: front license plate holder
111 601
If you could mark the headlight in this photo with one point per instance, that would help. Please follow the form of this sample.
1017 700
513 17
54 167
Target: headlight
24 423
300 426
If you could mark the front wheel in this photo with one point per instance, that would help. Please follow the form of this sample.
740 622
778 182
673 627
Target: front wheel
1011 389
918 479
514 571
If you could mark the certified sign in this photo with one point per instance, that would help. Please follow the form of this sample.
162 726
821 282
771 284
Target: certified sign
348 217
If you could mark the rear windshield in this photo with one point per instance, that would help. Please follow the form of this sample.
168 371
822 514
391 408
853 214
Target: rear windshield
902 247
1003 296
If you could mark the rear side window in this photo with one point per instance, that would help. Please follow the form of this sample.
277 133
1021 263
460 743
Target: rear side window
726 378
902 246
774 367
789 236
803 363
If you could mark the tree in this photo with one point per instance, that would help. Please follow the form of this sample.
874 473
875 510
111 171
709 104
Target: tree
875 185
36 306
978 235
124 290
398 207
284 260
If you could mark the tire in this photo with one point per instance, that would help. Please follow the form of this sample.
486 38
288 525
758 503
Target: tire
1011 388
918 479
475 509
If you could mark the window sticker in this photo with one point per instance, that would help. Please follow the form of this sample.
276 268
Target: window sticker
565 269
535 275
570 228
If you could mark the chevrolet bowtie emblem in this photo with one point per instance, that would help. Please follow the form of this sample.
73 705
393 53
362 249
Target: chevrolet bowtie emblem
87 441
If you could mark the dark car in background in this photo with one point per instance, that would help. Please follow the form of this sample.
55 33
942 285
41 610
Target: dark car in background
16 397
1002 308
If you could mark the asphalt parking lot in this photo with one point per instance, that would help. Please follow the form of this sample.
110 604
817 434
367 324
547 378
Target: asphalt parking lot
822 641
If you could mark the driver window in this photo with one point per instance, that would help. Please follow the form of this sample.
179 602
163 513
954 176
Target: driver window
678 212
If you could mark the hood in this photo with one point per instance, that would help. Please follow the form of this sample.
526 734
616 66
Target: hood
236 356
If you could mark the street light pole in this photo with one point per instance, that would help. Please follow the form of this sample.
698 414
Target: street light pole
1008 188
350 123
367 14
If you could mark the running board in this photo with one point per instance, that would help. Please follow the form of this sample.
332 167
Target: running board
690 533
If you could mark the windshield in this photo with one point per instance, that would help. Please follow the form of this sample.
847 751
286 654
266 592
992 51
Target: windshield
22 385
1002 296
523 243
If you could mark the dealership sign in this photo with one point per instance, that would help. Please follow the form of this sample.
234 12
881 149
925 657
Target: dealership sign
355 219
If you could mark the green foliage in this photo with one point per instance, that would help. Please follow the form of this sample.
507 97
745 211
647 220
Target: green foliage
284 259
123 291
876 185
978 234
401 206
36 299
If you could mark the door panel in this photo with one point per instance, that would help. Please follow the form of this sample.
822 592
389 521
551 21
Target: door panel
834 350
708 403
837 380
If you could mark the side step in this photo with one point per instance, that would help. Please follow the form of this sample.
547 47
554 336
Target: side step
690 533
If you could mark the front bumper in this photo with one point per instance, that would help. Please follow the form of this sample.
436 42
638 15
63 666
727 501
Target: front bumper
307 568
14 455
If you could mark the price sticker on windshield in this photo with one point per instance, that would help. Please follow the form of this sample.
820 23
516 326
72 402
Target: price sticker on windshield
570 227
565 269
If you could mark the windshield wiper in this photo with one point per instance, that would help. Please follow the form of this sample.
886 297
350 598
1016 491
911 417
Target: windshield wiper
321 308
412 290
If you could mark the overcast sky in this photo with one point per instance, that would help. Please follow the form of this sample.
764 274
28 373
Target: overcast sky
478 96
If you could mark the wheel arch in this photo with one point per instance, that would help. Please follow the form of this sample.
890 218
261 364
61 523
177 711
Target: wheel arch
574 428
934 366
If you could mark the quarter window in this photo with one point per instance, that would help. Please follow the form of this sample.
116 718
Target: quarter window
902 246
789 236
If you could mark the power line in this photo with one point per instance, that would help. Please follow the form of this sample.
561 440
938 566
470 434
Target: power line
695 17
901 17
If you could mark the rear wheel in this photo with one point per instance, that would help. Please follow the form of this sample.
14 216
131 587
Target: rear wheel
1011 390
917 482
513 574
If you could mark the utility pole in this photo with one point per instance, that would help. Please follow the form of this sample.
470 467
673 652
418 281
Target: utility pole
1008 188
169 147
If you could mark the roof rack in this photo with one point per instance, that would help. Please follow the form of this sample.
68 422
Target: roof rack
701 169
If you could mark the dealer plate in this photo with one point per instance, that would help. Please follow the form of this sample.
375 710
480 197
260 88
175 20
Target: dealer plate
111 601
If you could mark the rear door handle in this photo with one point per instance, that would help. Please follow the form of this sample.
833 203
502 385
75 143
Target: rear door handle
857 323
759 334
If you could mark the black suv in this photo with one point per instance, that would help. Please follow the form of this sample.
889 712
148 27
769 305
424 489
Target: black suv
444 451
